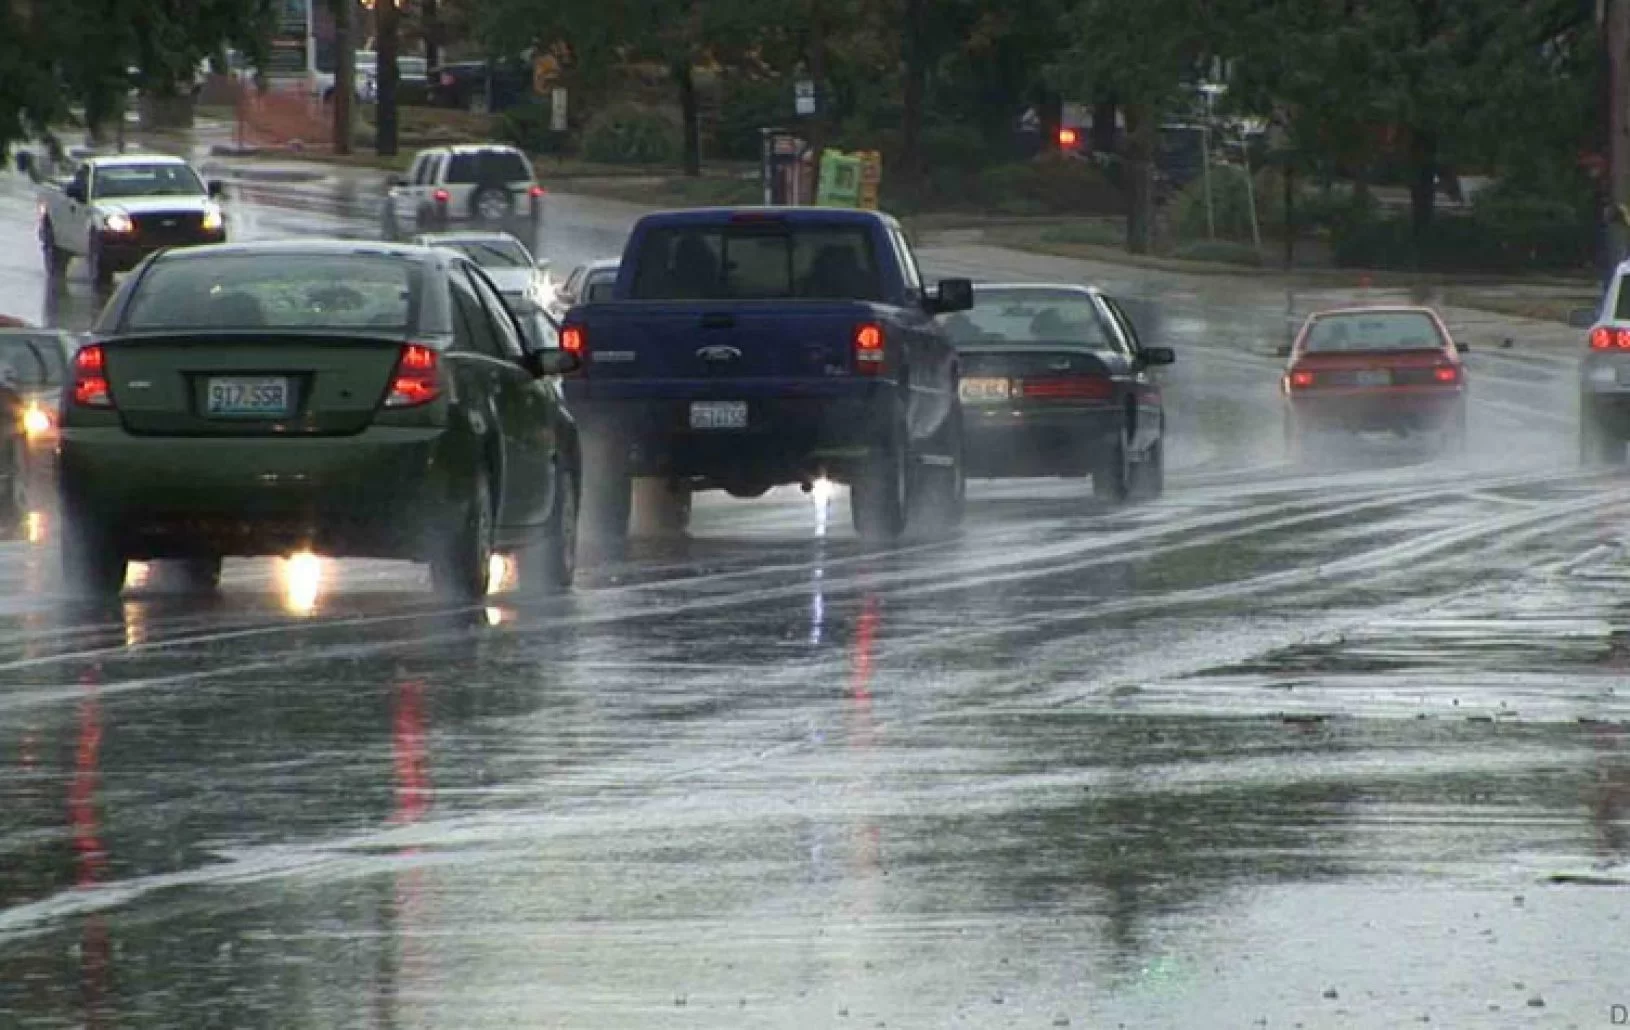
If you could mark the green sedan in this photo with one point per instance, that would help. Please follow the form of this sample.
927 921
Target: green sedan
350 399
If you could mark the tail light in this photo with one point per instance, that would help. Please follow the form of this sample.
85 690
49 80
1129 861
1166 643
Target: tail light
1610 339
90 378
535 192
1068 388
1301 380
869 348
416 380
441 196
573 340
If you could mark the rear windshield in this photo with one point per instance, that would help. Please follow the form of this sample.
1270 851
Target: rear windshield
489 253
157 180
1029 316
758 262
1373 331
601 286
277 291
488 166
35 360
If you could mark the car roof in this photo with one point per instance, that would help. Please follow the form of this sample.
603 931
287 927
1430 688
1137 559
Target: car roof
117 160
308 248
982 287
473 236
811 215
1376 309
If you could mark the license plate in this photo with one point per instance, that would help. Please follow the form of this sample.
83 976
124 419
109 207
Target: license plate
718 415
984 391
1624 375
1374 377
243 395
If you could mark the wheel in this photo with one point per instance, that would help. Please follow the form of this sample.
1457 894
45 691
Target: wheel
462 557
92 563
101 275
938 492
608 490
1112 479
1149 475
56 259
492 203
877 497
1599 444
556 562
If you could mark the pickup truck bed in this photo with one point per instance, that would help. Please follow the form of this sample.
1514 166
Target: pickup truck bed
748 349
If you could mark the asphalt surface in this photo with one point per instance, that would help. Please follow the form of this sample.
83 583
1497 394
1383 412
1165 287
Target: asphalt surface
1332 745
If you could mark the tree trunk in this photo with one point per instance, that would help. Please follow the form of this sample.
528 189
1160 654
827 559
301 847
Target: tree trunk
1103 126
430 32
1290 214
685 78
1423 180
1617 56
1140 178
916 90
345 76
385 75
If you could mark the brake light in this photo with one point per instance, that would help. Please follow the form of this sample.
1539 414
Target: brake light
1071 388
1301 380
1608 339
441 196
416 380
1068 138
90 378
1447 374
572 340
868 348
535 192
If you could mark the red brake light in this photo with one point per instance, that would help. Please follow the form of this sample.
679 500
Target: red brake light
1600 339
416 381
1447 374
572 340
442 196
1072 388
535 191
1301 380
1622 339
90 378
868 348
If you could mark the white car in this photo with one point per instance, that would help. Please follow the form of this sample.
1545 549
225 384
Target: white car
485 186
525 282
587 284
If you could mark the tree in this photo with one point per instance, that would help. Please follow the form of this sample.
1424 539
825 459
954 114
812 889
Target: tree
386 73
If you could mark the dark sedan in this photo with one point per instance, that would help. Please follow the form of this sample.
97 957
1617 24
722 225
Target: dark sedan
346 398
1055 382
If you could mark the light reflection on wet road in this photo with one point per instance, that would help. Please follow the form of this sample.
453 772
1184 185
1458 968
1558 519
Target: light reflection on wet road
1338 746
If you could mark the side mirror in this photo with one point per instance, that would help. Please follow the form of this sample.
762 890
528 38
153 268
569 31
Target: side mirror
552 362
951 295
395 182
1283 350
1158 356
74 191
25 162
1463 348
215 187
1579 318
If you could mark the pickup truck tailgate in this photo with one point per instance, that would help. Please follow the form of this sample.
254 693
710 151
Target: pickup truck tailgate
663 340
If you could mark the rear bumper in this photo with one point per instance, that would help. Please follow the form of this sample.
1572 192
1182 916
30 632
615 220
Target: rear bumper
374 494
1004 443
1363 410
786 439
121 252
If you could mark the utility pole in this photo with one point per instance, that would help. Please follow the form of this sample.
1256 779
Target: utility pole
345 75
386 19
1615 16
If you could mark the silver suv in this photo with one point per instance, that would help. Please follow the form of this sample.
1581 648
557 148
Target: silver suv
487 186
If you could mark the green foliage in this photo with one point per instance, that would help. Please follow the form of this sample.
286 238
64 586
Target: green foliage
1050 185
1225 252
528 126
632 134
1230 204
1479 242
746 105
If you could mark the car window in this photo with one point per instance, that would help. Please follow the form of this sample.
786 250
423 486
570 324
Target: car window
488 166
1621 306
573 282
35 361
1031 316
1123 322
277 290
1372 331
473 328
757 261
421 169
600 287
511 343
490 253
541 331
908 261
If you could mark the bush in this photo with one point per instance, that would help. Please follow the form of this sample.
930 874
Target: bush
1225 252
527 126
746 106
1231 204
633 134
1485 241
1090 234
1050 185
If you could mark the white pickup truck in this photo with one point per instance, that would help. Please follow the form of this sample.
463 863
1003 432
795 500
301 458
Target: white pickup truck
112 211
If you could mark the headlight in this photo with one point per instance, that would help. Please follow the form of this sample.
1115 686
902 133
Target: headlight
118 221
213 217
36 421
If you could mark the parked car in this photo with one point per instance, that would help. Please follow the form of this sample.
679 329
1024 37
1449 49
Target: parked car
748 348
485 186
1056 382
479 86
350 398
35 363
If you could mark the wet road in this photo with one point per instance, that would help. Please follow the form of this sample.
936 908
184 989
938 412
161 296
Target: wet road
1338 746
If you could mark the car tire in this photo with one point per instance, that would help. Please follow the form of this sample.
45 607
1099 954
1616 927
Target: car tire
878 496
92 563
56 259
462 558
1112 477
557 551
492 204
608 489
939 495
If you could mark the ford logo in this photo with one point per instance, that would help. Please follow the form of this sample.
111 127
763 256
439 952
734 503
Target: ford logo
719 352
169 223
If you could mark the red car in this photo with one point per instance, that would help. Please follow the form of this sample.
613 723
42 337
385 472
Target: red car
1375 369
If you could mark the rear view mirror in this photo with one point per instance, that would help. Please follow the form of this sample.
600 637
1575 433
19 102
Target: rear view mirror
1158 355
74 191
1579 318
553 362
215 187
952 295
1283 350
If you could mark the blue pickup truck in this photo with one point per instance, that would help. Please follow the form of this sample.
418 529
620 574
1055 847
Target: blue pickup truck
744 349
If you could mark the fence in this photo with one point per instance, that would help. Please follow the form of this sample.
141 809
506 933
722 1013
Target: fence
282 116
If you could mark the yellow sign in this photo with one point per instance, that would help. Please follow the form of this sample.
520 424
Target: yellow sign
871 178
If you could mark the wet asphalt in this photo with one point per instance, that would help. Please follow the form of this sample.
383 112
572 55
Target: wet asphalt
1339 744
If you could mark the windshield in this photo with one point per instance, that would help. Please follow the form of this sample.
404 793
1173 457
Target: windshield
154 180
36 360
277 291
504 166
757 261
1373 331
1028 317
490 253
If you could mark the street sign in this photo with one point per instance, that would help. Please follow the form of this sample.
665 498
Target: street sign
557 110
804 97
